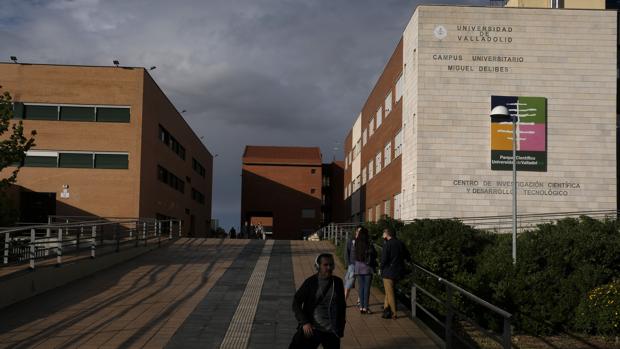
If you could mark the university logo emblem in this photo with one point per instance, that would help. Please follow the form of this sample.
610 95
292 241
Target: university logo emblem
531 129
440 32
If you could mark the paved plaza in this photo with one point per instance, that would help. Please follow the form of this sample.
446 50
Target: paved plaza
194 293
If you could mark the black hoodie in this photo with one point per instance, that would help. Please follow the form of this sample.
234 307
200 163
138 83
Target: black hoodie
305 300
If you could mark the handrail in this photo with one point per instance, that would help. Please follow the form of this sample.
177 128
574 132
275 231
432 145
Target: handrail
338 232
77 224
27 244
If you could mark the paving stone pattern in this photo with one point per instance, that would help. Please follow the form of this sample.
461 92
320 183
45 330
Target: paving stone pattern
207 324
185 295
274 323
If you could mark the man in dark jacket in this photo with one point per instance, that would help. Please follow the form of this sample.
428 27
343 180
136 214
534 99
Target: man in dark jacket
320 308
393 257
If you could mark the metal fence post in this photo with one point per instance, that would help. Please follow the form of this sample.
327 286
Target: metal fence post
180 228
93 242
59 248
7 238
170 230
77 241
413 300
449 316
137 226
158 232
32 248
117 237
507 334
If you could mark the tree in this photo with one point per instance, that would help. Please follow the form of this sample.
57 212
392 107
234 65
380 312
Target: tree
12 152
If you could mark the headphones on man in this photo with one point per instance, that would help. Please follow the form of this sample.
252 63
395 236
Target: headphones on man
317 265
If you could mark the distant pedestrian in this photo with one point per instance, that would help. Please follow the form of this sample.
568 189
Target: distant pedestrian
233 233
393 257
365 264
349 259
320 308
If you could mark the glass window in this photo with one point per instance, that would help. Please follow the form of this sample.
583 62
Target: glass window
18 110
378 212
77 113
75 160
378 117
308 213
41 161
370 214
112 114
371 127
398 144
112 161
398 90
40 112
364 137
371 169
388 104
378 163
386 206
387 156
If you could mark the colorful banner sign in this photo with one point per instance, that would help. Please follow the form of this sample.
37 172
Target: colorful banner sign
531 127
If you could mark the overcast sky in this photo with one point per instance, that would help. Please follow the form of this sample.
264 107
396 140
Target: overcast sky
259 72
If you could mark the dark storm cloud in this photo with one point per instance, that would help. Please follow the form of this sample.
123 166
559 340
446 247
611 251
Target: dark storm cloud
270 72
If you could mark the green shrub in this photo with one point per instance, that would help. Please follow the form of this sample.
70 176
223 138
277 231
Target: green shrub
599 311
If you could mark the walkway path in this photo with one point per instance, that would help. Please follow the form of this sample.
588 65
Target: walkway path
193 293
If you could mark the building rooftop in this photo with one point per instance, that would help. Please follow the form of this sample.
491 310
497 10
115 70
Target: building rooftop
282 155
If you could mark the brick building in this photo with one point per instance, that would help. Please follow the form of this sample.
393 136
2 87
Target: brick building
424 146
109 143
284 189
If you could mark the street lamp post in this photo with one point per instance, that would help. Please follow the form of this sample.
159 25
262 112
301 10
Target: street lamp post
502 111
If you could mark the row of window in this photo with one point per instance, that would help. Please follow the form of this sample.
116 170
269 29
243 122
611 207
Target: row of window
174 182
198 196
198 168
76 160
383 110
376 165
378 212
171 142
71 112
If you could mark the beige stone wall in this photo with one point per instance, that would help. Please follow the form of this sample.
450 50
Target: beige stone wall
569 4
411 73
102 192
566 56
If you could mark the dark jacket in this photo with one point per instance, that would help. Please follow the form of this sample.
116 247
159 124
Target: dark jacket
371 257
304 302
349 257
393 257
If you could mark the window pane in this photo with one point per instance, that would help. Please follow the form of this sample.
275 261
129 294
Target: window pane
73 160
40 112
113 114
120 161
77 113
40 161
18 110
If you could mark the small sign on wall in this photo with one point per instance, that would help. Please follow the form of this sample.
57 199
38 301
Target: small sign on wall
64 194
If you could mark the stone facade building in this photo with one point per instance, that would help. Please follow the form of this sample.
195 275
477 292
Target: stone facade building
436 153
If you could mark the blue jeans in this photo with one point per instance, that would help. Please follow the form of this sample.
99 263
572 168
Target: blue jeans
364 289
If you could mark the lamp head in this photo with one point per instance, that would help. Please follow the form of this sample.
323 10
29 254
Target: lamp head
500 110
116 63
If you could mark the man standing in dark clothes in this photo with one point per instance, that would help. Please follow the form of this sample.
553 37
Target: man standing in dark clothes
320 308
393 259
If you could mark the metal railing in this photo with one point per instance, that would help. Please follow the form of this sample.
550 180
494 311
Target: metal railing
44 242
446 298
